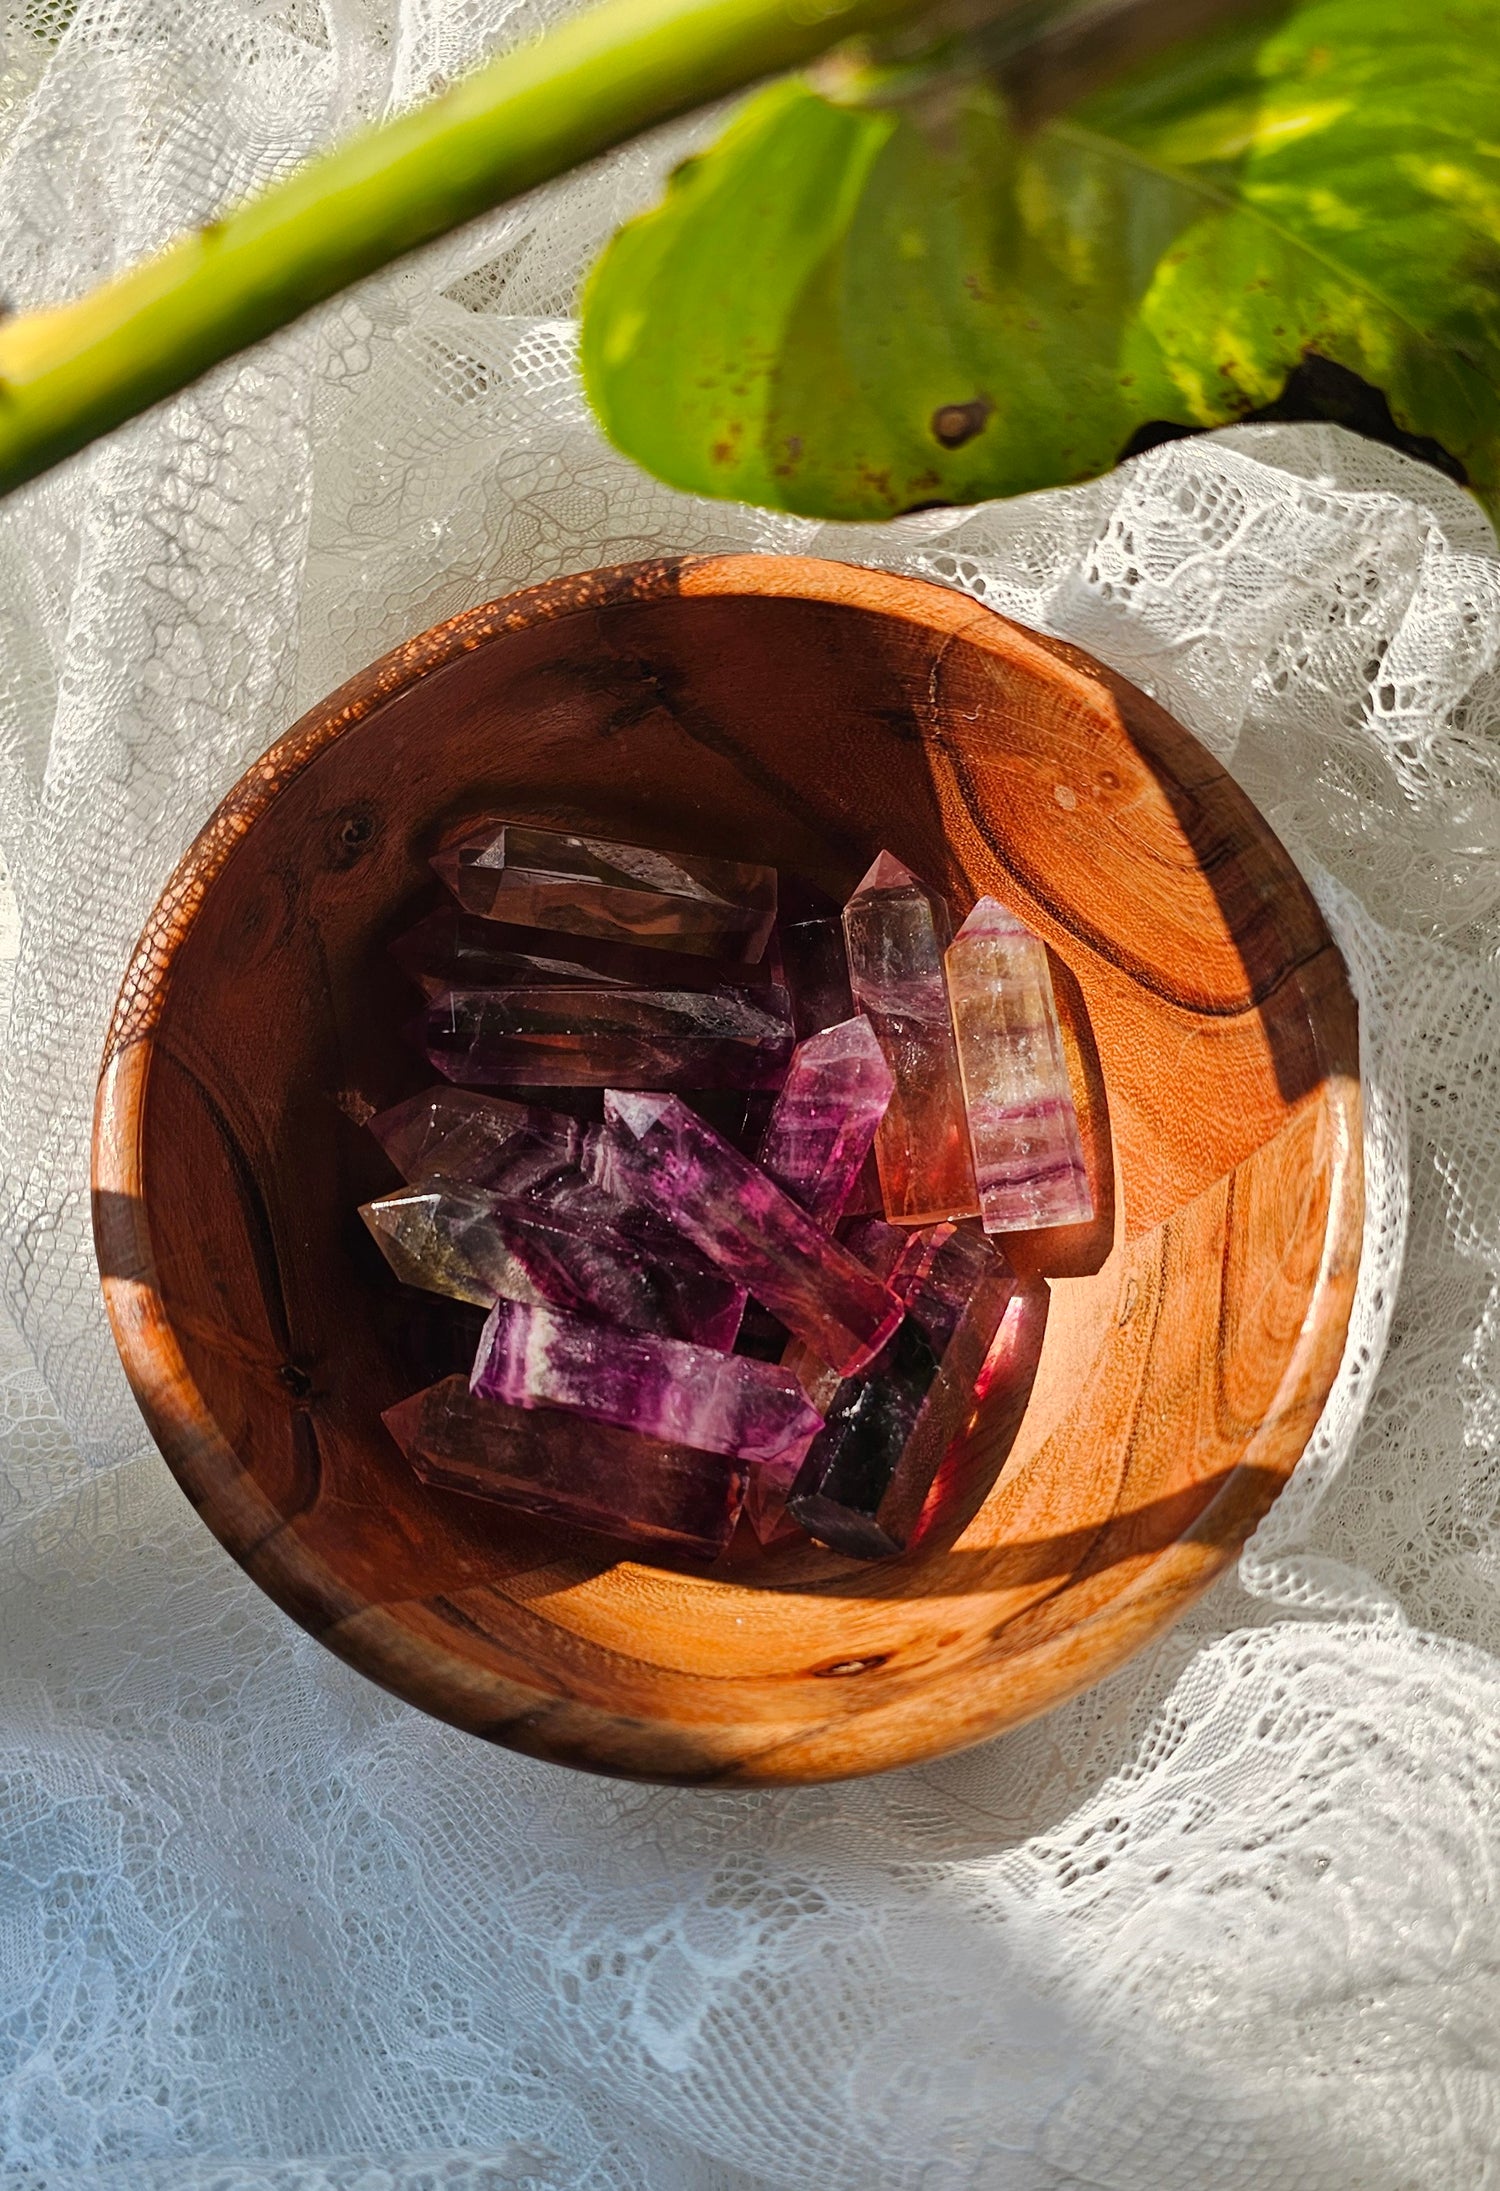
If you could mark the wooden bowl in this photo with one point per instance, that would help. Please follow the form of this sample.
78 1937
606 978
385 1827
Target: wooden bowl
806 713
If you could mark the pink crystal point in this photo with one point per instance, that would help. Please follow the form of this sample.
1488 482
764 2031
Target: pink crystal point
533 1356
1028 1155
895 928
831 1103
729 1037
596 886
565 1468
667 1156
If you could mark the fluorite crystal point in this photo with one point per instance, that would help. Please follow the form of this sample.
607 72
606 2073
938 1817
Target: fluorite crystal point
528 1154
622 1038
721 1403
831 1102
1028 1156
853 1462
565 1468
895 929
435 1237
593 886
664 1154
456 950
809 943
480 1247
478 1141
867 1474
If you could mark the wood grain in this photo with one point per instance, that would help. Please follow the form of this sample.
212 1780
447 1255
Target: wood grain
806 713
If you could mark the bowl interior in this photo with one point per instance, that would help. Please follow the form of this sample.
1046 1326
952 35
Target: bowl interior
807 714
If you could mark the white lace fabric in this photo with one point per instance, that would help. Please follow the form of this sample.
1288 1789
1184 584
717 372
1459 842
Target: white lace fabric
1227 1921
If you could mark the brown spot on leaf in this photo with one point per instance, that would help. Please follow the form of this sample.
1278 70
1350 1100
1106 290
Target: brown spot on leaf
955 423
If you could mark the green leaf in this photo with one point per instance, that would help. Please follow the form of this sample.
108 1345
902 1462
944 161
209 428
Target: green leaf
855 305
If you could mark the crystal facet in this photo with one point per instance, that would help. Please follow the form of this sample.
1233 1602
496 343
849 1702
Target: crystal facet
482 1247
455 950
772 1483
593 886
478 1141
940 1275
895 928
1028 1157
831 1102
525 1153
862 1486
435 1237
595 1476
730 1210
721 1403
888 1250
809 944
622 1038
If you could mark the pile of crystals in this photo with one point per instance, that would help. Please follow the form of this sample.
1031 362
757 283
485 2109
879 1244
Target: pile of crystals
705 1300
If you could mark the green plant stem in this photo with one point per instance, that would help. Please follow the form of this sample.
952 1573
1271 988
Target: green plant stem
72 373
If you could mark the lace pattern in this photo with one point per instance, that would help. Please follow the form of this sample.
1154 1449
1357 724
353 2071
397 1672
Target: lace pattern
1227 1919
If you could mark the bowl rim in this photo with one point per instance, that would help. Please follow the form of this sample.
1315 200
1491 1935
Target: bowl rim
1045 1672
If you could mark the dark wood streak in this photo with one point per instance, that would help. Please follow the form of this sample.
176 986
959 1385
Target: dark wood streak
775 704
259 1230
309 1471
1098 938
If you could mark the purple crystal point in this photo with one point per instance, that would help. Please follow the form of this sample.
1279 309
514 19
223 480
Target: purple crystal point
532 1155
895 928
1028 1156
867 1474
593 886
455 950
721 1403
565 1468
671 1159
832 1100
630 1038
809 944
481 1247
478 1141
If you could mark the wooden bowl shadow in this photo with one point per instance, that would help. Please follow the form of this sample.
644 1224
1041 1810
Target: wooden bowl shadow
1172 1358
